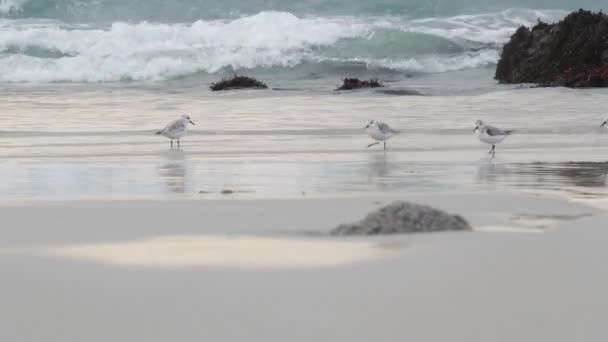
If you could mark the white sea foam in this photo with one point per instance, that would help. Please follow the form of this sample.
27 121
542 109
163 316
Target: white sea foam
483 28
150 51
436 64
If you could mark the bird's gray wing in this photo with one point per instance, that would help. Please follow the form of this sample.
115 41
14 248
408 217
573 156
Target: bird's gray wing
173 126
384 128
177 125
495 131
164 130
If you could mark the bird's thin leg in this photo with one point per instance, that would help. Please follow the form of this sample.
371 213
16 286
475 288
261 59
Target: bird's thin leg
171 143
385 145
490 150
372 144
493 150
178 144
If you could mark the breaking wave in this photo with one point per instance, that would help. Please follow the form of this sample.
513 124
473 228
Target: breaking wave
42 51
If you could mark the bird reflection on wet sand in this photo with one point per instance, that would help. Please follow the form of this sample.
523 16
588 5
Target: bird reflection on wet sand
388 173
379 165
173 172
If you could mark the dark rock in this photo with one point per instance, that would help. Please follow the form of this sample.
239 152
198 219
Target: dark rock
570 53
404 217
238 82
355 83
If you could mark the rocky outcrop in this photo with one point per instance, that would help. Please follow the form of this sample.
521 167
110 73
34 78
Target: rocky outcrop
404 217
355 83
570 53
238 82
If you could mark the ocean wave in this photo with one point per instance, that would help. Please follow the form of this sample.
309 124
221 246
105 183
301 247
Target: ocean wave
483 28
59 52
191 10
435 64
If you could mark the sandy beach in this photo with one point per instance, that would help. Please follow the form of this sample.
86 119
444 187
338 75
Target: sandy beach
267 270
110 232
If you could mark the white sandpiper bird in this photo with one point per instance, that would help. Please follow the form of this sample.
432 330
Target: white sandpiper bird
380 132
176 129
491 135
605 122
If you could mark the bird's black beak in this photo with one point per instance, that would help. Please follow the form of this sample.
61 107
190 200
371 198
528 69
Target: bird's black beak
604 124
192 122
475 129
366 126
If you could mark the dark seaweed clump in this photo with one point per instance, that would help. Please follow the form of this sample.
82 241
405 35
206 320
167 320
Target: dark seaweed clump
237 82
355 83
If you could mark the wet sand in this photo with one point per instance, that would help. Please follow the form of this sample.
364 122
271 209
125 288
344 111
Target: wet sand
99 143
572 172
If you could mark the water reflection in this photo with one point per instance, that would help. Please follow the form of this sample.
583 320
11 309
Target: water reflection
586 174
379 165
545 175
173 172
388 171
488 171
379 169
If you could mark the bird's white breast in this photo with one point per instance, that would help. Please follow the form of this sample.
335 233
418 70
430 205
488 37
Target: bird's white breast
175 130
376 134
175 134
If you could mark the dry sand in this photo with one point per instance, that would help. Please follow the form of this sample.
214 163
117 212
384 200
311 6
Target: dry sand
264 270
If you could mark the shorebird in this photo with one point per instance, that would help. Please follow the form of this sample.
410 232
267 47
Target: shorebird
490 135
605 122
380 132
176 129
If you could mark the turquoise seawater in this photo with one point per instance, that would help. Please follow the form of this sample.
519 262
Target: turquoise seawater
288 43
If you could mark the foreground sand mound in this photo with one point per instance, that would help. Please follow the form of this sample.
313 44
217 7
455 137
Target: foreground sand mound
404 217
